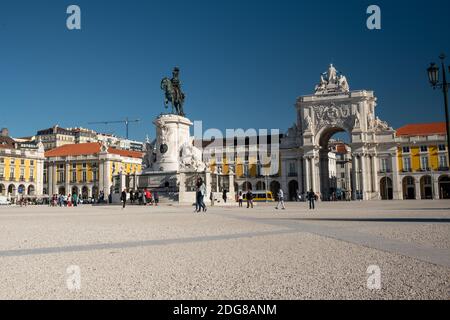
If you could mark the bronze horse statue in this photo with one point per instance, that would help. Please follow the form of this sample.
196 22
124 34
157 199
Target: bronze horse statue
174 95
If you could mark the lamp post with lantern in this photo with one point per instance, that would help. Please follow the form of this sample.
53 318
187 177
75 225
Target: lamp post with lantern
433 77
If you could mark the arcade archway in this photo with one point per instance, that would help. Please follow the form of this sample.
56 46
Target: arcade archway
444 187
386 188
247 186
409 188
274 188
426 187
293 190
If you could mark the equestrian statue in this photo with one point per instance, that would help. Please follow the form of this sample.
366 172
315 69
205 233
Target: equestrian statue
173 93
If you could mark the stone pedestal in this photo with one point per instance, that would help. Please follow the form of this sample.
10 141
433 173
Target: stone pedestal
172 132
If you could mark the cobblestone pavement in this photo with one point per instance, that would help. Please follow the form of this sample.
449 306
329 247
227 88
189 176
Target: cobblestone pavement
227 253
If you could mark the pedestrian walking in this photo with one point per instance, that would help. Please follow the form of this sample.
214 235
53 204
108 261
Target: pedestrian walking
311 199
132 196
212 197
75 199
249 197
123 198
240 198
156 197
202 196
280 199
148 197
224 195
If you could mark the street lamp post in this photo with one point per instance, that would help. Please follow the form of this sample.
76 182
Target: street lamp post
433 76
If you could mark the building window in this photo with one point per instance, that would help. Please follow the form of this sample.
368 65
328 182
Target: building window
2 160
94 175
292 169
423 148
22 162
441 147
384 165
60 176
84 164
406 164
2 172
424 163
32 162
11 173
74 166
74 176
442 161
406 150
13 162
246 170
31 173
84 176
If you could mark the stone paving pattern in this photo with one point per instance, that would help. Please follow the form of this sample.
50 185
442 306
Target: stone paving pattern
169 252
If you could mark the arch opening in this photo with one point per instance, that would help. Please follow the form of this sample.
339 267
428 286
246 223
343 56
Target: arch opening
335 164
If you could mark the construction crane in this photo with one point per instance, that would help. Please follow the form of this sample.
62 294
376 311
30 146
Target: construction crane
126 121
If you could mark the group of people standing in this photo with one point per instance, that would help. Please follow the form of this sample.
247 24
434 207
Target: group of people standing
61 200
146 197
140 197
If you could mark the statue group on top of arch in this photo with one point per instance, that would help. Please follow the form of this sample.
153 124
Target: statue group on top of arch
332 81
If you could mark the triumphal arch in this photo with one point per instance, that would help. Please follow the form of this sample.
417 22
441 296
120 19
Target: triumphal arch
331 109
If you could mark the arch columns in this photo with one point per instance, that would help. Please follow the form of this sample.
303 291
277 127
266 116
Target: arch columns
436 191
397 187
307 173
417 188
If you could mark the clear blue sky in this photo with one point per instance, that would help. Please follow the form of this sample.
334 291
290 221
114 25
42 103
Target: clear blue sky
243 62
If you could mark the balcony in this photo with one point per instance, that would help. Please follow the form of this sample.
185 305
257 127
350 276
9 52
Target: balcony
31 179
407 170
292 174
385 171
443 169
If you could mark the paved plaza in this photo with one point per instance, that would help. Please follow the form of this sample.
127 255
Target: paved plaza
169 252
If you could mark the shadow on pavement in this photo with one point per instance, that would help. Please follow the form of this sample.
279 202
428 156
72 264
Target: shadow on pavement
423 220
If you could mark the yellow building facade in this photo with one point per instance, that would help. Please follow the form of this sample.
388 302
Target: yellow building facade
21 167
87 169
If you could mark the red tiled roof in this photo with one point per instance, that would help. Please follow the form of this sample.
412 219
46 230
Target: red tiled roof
126 153
341 148
422 129
79 149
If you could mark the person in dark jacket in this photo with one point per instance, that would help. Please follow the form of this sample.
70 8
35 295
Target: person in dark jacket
311 199
131 196
156 197
224 195
249 197
123 198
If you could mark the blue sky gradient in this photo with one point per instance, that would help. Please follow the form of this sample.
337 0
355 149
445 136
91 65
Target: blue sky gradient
243 63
